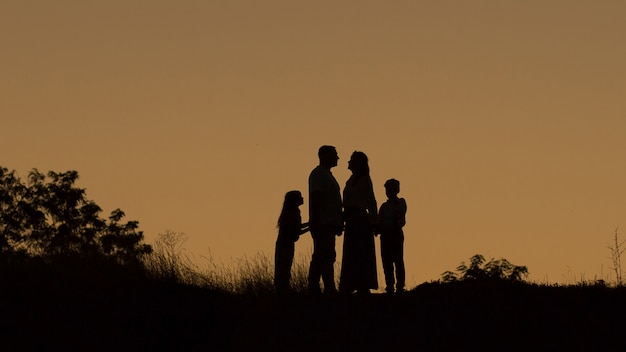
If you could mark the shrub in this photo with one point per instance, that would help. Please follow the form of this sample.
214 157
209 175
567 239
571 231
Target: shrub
478 269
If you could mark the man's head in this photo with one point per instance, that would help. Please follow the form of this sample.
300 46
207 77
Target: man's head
328 156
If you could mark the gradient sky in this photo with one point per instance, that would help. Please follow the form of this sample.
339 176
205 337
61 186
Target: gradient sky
503 120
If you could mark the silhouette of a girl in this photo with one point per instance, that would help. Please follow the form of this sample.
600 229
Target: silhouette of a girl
290 227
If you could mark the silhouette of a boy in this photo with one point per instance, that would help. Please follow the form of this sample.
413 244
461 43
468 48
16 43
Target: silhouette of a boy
392 217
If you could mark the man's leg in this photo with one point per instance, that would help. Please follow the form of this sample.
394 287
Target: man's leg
315 268
328 262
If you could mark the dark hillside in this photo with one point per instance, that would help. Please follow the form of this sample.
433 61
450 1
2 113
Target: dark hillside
136 315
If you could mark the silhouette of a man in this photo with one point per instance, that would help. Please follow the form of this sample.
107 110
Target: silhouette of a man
325 220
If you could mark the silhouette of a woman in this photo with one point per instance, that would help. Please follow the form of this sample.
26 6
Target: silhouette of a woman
358 268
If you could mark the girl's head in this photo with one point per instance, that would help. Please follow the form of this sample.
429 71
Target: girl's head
293 199
358 164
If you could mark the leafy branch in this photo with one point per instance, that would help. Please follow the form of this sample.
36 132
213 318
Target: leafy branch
480 270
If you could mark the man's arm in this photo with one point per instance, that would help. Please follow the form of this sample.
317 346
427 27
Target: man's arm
314 210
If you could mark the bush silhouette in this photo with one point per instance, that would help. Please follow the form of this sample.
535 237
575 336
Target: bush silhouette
500 269
49 217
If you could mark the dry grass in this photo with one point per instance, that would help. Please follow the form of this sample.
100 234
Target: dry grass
247 275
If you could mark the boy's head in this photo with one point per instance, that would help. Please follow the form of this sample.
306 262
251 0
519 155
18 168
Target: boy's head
392 187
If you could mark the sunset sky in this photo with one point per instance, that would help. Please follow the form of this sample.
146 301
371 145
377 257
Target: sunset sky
505 121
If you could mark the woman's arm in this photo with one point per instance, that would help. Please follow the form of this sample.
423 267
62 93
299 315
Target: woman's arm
372 207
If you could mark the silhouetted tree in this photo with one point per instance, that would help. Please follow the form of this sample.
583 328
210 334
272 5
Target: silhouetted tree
50 216
500 269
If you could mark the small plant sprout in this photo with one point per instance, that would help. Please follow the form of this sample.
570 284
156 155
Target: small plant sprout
617 248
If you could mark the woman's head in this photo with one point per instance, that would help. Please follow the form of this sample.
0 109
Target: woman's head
358 163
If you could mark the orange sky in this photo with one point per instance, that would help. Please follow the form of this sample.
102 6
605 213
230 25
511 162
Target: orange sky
503 120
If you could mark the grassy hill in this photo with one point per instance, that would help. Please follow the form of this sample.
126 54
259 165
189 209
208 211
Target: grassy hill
130 313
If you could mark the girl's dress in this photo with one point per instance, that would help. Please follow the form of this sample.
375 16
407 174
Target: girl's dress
288 234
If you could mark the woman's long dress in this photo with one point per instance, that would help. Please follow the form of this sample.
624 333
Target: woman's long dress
358 266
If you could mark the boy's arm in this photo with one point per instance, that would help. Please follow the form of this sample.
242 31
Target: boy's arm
402 213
